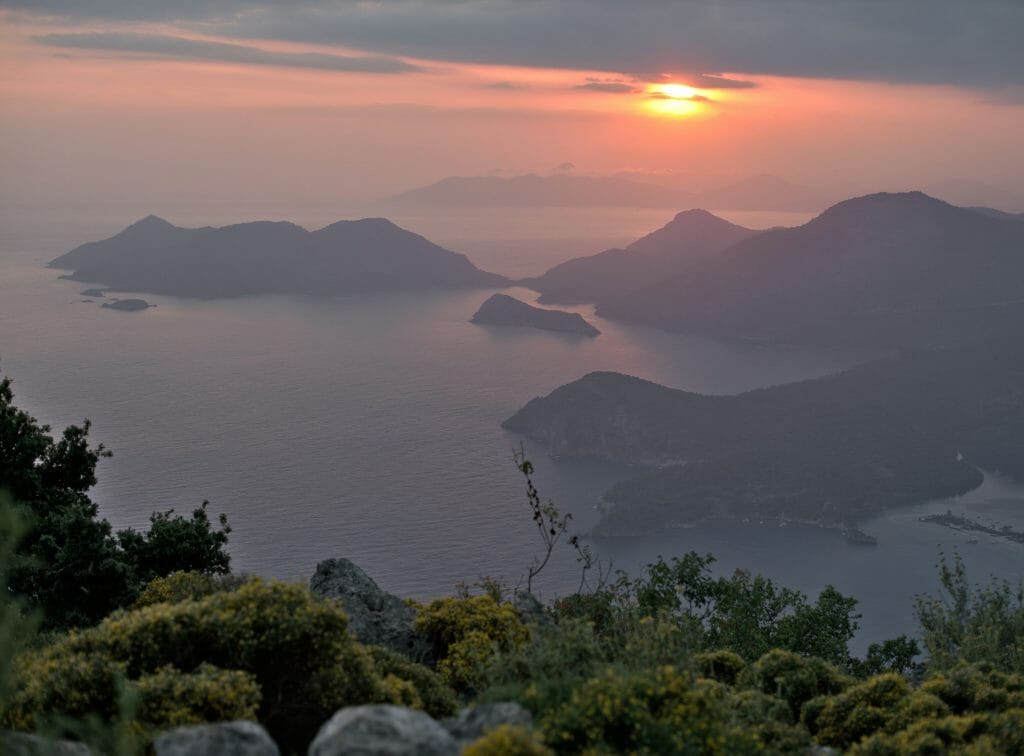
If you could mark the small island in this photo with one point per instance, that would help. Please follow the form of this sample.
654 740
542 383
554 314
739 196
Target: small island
92 293
502 309
128 305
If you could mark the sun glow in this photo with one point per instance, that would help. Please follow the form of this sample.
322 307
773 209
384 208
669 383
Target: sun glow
674 100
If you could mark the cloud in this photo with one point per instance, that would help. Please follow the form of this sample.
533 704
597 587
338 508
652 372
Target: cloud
505 86
688 98
975 43
714 81
165 46
617 87
566 166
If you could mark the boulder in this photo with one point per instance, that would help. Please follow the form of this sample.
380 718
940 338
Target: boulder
222 739
382 730
23 744
474 722
375 617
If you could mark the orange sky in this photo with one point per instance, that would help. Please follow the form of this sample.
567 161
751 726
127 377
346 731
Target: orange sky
81 124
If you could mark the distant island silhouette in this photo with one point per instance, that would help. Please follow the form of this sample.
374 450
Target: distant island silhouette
504 310
347 257
763 192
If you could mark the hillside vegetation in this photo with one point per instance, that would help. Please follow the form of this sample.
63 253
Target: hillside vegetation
669 661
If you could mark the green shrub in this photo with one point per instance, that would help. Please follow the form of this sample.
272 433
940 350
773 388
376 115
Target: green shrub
178 586
70 564
465 634
977 688
792 678
657 711
412 684
543 673
507 740
870 707
296 648
972 624
171 698
187 586
723 666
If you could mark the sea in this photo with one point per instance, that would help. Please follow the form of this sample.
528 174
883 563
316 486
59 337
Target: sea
369 427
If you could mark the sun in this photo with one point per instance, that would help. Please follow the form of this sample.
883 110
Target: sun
674 100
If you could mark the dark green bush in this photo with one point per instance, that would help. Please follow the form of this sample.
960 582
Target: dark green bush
967 624
793 679
723 666
423 688
69 563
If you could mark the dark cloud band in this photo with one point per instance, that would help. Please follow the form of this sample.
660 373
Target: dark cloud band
974 43
166 46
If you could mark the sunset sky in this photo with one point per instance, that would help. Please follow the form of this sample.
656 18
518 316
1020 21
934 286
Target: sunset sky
259 101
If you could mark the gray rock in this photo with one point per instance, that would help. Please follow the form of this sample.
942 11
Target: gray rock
475 721
375 616
222 739
382 730
23 744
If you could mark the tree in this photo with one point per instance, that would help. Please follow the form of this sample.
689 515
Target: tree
70 563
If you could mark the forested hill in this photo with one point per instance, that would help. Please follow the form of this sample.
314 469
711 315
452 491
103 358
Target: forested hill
832 449
690 237
881 270
347 257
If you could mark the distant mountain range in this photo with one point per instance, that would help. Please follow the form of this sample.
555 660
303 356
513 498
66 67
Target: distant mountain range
881 270
831 450
757 193
691 237
348 257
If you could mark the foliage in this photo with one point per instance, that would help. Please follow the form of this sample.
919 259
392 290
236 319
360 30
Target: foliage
465 633
892 655
171 698
664 710
177 544
965 624
296 648
507 740
72 565
792 678
186 586
723 666
861 710
747 614
412 684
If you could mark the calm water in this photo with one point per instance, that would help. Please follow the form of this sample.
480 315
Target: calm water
368 427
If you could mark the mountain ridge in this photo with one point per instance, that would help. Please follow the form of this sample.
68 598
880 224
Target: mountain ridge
259 257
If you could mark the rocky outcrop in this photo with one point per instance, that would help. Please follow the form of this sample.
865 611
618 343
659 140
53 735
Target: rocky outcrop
383 730
474 722
375 617
223 739
504 310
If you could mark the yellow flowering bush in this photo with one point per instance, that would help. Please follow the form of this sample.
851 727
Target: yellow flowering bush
507 740
297 650
466 632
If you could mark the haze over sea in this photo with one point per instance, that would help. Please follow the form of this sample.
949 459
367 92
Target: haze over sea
368 427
